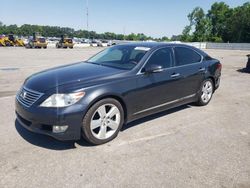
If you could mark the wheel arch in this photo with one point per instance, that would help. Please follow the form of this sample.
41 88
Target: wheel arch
213 81
113 96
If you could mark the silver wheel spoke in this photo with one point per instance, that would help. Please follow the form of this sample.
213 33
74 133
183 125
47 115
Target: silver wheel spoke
210 90
113 124
206 97
95 123
113 111
102 132
102 111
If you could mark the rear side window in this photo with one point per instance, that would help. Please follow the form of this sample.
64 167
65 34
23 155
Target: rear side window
161 57
186 56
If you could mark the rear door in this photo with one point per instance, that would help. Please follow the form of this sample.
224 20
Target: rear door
188 63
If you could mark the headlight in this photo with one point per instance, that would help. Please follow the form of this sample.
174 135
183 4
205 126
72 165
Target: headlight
62 100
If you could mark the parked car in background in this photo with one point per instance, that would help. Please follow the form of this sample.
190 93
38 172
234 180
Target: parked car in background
94 99
94 43
103 43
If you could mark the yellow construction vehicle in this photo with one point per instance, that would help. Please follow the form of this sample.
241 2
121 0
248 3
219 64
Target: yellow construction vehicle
2 40
37 42
15 41
10 40
65 42
5 41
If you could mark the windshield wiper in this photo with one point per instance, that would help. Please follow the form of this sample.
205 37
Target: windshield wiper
93 63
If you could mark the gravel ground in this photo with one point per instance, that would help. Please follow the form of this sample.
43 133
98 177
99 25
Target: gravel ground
188 146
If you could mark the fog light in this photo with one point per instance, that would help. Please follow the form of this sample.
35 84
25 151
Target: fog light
60 129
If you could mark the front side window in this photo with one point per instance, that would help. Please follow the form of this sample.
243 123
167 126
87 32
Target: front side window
162 57
186 56
123 57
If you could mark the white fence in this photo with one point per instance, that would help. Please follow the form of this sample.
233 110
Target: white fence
228 46
223 46
200 45
209 45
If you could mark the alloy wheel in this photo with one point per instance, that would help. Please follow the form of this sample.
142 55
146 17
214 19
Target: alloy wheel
105 121
207 91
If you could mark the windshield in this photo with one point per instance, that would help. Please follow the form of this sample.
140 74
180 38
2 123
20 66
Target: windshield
41 40
123 57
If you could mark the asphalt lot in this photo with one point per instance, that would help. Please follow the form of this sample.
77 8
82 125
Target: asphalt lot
185 147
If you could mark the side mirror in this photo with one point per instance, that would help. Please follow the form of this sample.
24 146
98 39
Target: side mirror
153 68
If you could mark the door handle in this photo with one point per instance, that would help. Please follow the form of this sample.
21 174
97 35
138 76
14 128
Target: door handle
175 75
202 69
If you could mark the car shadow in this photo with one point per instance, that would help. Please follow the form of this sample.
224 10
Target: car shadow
53 144
243 70
47 141
155 116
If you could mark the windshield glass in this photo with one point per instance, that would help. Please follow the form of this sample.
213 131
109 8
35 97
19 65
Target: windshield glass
123 57
42 40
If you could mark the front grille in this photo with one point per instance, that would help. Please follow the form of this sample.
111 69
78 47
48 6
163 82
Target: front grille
27 97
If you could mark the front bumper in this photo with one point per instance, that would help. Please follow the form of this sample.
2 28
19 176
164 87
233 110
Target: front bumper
41 120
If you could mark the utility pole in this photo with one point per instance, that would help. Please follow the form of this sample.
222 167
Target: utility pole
124 32
87 13
87 16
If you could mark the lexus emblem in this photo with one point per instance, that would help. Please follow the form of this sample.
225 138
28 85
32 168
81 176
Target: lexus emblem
23 94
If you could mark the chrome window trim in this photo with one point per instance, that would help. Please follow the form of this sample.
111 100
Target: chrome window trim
165 104
173 53
146 61
202 58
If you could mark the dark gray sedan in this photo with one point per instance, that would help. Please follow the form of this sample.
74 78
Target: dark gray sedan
94 99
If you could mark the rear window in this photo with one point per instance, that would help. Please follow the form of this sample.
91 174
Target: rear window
42 40
186 56
69 40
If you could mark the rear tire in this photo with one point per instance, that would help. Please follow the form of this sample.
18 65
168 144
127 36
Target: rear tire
103 121
206 92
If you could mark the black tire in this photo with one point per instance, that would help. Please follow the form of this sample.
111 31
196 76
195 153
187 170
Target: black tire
7 44
201 101
86 130
45 47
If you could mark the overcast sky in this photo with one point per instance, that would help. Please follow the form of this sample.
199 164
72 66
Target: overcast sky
156 18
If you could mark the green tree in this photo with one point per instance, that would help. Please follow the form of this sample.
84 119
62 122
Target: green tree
131 36
238 25
200 23
186 34
176 38
219 15
165 39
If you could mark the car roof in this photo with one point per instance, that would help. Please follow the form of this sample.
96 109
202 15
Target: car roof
154 44
162 44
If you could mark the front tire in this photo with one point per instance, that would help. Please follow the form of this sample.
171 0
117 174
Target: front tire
206 92
103 121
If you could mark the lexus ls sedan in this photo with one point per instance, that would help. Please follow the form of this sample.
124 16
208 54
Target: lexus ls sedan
94 99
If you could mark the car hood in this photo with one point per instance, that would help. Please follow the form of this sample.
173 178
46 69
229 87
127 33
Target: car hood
75 73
